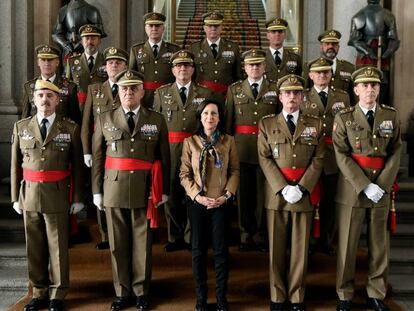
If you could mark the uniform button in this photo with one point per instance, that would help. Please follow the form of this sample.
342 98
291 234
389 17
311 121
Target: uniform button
374 136
255 103
215 71
294 155
131 172
42 159
293 143
324 134
215 63
43 148
324 125
156 72
42 170
374 172
184 119
184 128
156 62
324 116
278 70
215 81
112 137
183 110
293 167
294 180
375 148
254 122
61 149
255 113
132 139
310 144
91 76
357 137
132 150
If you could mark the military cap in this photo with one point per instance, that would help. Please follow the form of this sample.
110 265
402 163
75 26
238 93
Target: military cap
320 64
213 18
367 74
254 56
276 24
47 51
115 53
46 85
90 30
154 18
290 83
330 35
182 56
129 77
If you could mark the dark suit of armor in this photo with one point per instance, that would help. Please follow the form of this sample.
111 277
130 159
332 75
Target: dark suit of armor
71 17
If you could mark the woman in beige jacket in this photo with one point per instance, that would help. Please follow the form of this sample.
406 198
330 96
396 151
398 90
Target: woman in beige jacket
210 176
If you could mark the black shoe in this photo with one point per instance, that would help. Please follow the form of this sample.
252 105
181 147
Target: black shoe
142 303
102 245
376 304
223 306
120 303
298 307
200 306
276 306
36 304
175 246
56 305
343 305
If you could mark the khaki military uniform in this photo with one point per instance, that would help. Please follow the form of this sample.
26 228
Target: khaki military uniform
46 204
180 118
337 100
242 109
156 70
98 100
78 71
291 64
341 79
289 224
125 193
217 73
68 104
353 135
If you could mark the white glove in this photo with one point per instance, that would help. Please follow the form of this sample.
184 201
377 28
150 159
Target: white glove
87 158
17 208
374 192
291 194
98 201
164 199
76 208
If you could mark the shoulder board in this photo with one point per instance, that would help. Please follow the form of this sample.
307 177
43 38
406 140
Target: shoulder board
269 116
236 83
388 107
196 42
312 116
139 43
345 62
340 91
68 120
23 120
347 110
28 82
75 56
165 85
171 44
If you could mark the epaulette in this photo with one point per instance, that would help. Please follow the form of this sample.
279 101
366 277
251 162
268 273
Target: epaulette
171 44
75 56
25 119
165 85
237 82
32 81
346 110
313 116
68 120
340 91
195 42
139 43
387 107
269 116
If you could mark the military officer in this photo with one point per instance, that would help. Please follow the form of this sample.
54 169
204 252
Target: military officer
325 102
102 97
217 60
367 142
87 68
247 102
291 149
279 60
152 57
48 63
46 161
129 145
178 103
341 69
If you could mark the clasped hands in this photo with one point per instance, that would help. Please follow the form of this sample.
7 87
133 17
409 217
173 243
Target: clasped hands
292 194
210 203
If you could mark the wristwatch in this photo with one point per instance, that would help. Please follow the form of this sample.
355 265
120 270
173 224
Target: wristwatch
227 196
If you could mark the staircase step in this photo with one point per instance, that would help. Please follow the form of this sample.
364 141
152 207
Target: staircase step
405 212
404 236
402 285
12 230
402 260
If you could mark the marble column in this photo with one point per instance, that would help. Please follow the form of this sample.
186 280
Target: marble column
313 25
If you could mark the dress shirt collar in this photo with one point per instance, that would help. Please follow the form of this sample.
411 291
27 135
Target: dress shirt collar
187 86
94 56
259 83
294 114
318 90
272 50
217 43
365 110
50 118
155 43
135 111
51 79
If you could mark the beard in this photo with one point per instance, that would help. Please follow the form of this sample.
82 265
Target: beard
330 53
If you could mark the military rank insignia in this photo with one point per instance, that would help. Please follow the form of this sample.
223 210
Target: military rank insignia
309 133
338 106
386 127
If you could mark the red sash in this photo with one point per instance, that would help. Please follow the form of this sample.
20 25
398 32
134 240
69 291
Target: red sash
369 162
294 175
328 140
129 164
82 97
216 87
44 176
151 85
246 129
177 137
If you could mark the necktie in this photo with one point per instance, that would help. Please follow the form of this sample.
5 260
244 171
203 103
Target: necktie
130 120
214 49
370 118
43 129
278 60
90 62
324 98
114 90
291 124
155 50
254 89
182 95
